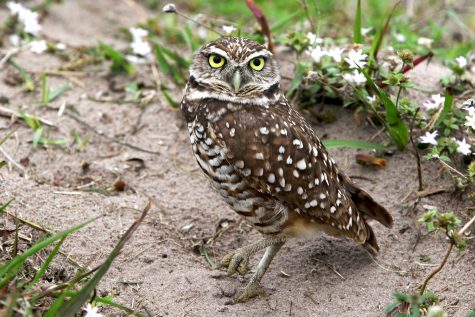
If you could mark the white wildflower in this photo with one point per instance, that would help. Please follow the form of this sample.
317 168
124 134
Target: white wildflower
32 26
38 47
135 59
424 41
429 138
356 58
463 147
14 39
435 103
470 119
228 29
60 46
14 7
169 8
141 48
371 99
28 18
314 39
92 311
138 33
461 61
357 78
400 37
335 53
317 53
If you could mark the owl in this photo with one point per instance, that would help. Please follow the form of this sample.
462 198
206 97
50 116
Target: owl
264 158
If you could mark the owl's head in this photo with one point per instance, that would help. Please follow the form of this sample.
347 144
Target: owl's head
235 69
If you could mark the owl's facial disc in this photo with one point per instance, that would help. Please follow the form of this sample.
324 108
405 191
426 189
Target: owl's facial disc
235 69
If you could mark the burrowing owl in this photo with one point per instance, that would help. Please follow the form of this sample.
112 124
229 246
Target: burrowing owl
264 159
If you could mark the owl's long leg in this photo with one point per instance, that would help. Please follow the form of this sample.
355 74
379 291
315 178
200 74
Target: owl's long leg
238 262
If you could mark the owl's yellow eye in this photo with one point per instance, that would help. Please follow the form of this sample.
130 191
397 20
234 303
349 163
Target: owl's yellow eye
216 61
257 63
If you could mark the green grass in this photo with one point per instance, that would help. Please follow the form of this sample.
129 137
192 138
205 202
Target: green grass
22 290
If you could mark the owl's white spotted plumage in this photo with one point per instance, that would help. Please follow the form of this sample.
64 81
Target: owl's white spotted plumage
264 159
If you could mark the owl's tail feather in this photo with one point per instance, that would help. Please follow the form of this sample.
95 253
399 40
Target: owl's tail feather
371 244
366 205
370 210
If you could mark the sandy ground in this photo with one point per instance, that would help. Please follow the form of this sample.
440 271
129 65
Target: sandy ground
160 271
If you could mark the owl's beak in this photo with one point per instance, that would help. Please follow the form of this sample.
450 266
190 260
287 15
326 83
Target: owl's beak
237 80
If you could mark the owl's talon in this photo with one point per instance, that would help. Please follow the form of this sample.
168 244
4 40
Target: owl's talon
237 261
250 292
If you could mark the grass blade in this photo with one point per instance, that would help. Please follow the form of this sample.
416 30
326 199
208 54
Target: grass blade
378 39
354 144
177 58
30 85
447 107
394 124
10 266
45 265
357 37
169 98
4 206
44 90
109 302
119 63
6 137
52 95
165 66
77 301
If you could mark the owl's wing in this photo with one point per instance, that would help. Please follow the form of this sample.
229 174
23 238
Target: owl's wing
279 154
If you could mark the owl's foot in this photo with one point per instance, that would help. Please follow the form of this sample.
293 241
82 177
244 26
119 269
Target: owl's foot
249 292
237 261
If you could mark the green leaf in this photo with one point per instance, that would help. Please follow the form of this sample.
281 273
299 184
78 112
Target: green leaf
445 111
354 144
391 307
298 77
119 63
9 267
402 297
357 37
177 58
165 66
394 124
169 98
76 301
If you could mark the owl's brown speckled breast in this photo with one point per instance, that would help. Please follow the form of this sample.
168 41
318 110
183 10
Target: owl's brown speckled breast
210 153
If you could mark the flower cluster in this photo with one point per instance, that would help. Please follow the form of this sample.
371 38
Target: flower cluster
460 146
354 58
139 45
92 311
435 102
28 18
469 106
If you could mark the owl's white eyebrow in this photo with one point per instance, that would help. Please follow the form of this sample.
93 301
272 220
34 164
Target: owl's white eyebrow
258 54
218 51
